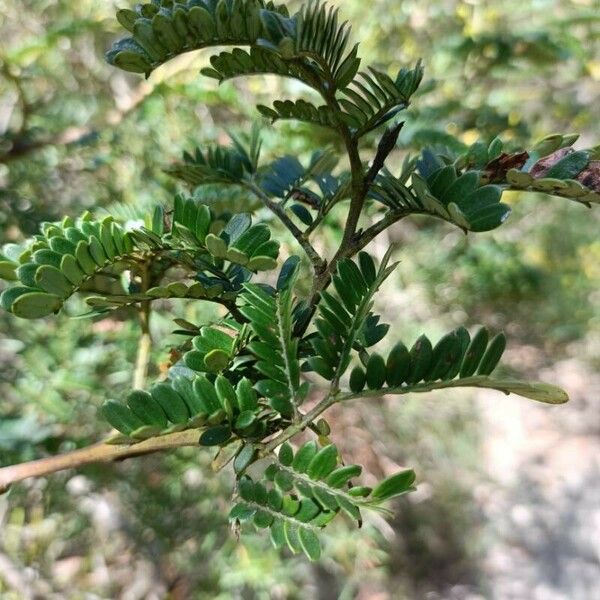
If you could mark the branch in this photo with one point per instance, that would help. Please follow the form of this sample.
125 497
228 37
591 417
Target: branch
99 453
384 149
144 348
145 341
277 210
359 192
106 453
541 392
372 232
293 430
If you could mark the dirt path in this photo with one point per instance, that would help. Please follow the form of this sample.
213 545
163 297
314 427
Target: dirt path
543 501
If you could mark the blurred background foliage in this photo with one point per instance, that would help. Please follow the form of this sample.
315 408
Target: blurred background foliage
76 134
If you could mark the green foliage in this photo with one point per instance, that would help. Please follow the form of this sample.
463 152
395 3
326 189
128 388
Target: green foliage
63 259
303 491
310 45
457 360
348 322
274 346
239 383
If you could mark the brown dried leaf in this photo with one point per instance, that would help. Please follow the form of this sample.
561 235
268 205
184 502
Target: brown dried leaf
590 176
496 170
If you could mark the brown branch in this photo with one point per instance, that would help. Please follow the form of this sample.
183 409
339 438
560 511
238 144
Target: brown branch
384 149
359 192
99 453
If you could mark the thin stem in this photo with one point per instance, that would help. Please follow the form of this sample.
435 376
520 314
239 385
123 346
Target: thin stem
372 232
358 195
293 430
99 453
280 213
145 342
359 192
144 348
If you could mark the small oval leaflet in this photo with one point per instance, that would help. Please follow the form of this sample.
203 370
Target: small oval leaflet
215 436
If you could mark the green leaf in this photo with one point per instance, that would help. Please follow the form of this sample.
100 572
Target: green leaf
26 274
569 167
216 246
323 463
445 355
245 419
488 218
205 390
304 457
216 361
396 485
51 280
120 417
226 394
145 407
247 398
10 294
284 481
84 258
171 403
7 270
262 263
286 455
185 388
492 356
97 251
310 543
242 513
47 257
288 272
421 355
397 366
376 372
36 305
215 436
474 353
358 380
70 268
342 475
244 458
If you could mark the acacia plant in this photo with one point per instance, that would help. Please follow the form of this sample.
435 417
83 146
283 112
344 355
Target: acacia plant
240 385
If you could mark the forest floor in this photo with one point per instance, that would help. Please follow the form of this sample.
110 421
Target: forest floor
542 502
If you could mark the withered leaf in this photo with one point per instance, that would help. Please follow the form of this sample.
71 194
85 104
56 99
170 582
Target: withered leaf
495 171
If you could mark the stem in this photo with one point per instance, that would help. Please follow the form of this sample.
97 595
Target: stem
144 348
297 428
370 234
300 237
105 453
99 453
358 195
145 342
359 191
